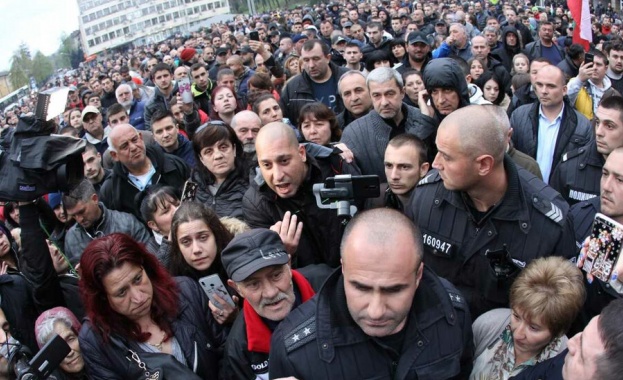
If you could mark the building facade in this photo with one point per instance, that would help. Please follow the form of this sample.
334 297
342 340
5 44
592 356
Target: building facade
106 24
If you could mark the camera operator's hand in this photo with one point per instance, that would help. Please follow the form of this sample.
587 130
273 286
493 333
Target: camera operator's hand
289 231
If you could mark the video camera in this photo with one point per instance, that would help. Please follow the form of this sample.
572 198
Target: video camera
34 161
41 366
341 191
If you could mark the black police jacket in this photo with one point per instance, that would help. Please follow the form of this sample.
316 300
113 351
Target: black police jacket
530 222
577 176
320 340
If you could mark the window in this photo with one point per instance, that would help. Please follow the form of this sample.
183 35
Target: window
91 43
105 38
91 16
159 8
147 23
169 18
95 28
176 14
197 9
111 35
189 11
145 11
99 14
106 11
85 19
87 31
161 19
204 8
113 9
116 21
126 30
98 40
108 23
210 6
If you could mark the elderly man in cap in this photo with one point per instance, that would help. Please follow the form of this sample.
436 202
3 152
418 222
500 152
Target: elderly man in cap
298 40
189 57
418 52
96 134
257 264
222 53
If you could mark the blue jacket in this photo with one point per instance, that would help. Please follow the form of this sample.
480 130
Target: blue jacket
550 369
184 150
137 112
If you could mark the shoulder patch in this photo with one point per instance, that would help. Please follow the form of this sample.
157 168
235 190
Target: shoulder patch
456 299
571 154
430 178
548 208
301 334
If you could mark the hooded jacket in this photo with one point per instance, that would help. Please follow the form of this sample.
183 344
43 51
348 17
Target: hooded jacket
446 73
506 53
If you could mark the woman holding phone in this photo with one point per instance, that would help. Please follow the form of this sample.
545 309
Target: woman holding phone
197 239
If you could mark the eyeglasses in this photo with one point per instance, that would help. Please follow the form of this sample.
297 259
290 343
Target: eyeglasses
211 123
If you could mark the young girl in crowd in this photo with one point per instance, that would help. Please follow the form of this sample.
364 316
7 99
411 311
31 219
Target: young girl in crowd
521 64
476 68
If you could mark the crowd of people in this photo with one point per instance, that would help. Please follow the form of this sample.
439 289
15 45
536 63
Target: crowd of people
495 138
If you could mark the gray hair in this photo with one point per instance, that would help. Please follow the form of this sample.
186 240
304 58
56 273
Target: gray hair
45 328
384 74
491 29
122 86
348 74
461 27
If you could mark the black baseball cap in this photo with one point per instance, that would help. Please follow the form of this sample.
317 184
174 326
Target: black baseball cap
251 251
418 37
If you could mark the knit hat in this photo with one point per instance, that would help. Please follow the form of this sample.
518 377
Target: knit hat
187 54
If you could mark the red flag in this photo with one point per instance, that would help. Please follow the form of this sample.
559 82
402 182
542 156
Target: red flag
582 33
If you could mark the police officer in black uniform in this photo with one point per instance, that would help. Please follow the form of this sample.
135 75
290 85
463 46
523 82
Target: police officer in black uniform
598 293
483 218
577 176
383 315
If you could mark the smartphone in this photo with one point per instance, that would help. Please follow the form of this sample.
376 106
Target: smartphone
589 58
364 186
213 285
184 88
189 192
254 36
603 257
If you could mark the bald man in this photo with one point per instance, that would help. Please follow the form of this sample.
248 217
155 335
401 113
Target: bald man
136 168
283 187
549 127
385 315
482 217
242 74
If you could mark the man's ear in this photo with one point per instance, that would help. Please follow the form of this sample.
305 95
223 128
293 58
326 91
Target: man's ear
302 152
95 198
424 169
233 285
113 155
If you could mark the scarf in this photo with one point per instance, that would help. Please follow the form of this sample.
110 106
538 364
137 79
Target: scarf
258 334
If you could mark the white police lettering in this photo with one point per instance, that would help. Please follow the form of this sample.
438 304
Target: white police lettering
260 366
580 196
436 243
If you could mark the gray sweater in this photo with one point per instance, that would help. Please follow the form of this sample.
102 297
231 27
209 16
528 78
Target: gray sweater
368 136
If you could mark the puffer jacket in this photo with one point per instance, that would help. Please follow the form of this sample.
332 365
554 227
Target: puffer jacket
113 221
506 53
228 198
197 333
446 73
299 92
575 131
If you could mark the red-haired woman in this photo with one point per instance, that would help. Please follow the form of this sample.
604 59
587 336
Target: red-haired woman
143 322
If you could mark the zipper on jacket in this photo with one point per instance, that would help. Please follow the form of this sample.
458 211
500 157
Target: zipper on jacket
196 359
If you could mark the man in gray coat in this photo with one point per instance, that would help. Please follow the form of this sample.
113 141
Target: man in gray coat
94 220
368 136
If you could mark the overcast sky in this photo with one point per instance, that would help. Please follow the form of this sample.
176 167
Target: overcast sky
38 23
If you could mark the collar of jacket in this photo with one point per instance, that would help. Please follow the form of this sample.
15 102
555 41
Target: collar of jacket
258 334
157 158
336 327
514 206
593 157
100 225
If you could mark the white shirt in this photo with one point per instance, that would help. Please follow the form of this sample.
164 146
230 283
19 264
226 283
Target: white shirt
546 143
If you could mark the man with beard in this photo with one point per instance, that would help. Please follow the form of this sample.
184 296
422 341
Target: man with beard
368 136
247 124
377 41
510 47
133 107
108 98
405 165
615 66
418 52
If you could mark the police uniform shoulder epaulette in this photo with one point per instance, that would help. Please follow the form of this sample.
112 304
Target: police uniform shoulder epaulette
573 153
548 208
430 178
301 334
456 298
